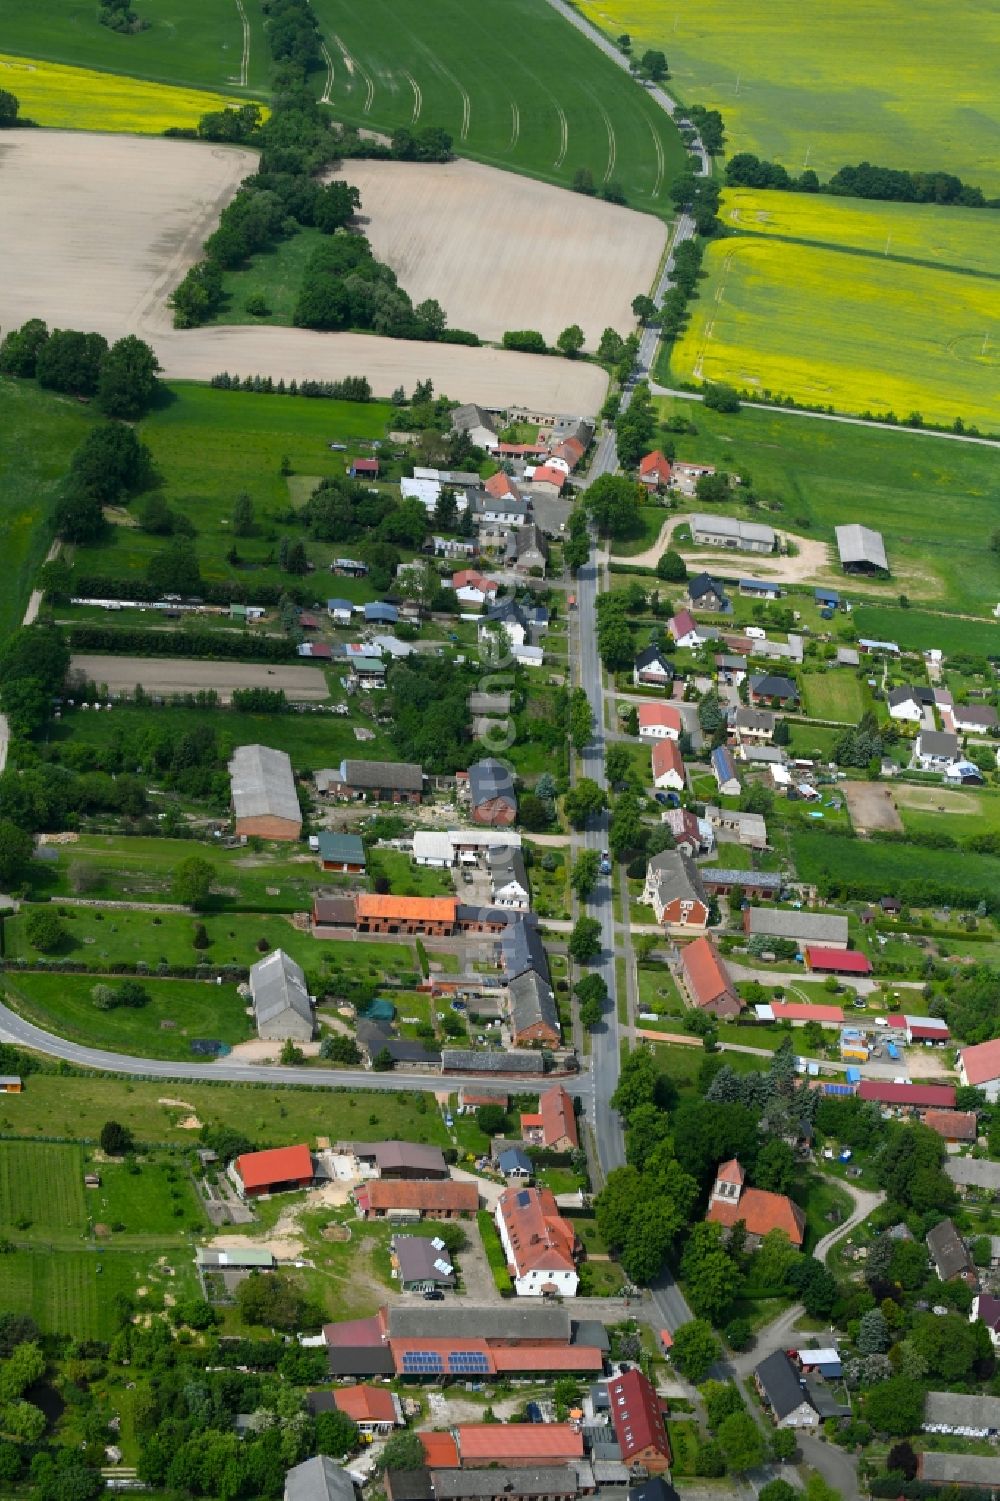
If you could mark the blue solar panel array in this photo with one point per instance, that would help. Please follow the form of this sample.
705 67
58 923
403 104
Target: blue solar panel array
422 1363
468 1362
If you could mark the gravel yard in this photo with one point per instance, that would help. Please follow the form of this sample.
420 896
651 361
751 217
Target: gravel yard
172 675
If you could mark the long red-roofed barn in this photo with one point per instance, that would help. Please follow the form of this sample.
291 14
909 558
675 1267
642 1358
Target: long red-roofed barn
280 1170
708 981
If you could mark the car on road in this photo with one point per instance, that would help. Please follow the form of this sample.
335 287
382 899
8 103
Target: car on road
605 866
434 1295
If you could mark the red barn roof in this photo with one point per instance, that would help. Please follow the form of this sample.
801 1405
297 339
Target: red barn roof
279 1165
883 1092
982 1062
707 976
556 1116
543 1443
637 1416
440 1451
366 1404
839 961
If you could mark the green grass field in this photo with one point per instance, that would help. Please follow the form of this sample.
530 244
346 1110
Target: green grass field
919 630
179 1012
832 85
73 1292
40 433
858 331
276 275
41 1187
198 42
514 84
149 1198
208 445
312 740
934 501
895 869
836 695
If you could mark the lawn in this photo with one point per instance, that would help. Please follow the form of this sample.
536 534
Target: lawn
826 1205
855 331
311 740
208 445
919 630
40 433
651 521
197 42
658 990
180 1012
106 867
41 1187
145 1198
72 98
73 1292
685 1441
838 695
474 72
914 874
934 501
407 879
76 1107
275 274
843 84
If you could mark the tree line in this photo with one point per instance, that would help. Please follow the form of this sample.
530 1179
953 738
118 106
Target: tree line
866 180
121 377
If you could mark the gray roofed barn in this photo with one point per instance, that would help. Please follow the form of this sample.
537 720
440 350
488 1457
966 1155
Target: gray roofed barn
947 1251
484 1485
318 1479
491 1061
263 789
522 949
954 1410
533 1013
513 1320
422 1262
825 928
282 1009
860 548
973 1172
961 1469
467 418
402 775
725 531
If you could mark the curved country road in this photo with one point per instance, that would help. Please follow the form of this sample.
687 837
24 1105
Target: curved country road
14 1029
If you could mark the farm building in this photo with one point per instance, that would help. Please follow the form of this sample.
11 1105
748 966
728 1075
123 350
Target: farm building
637 1418
318 1479
799 1013
750 828
279 1170
970 1172
363 469
861 550
281 1005
10 1084
424 916
262 788
668 766
692 836
416 1199
977 719
481 1445
720 881
477 423
829 598
707 980
980 1067
374 781
760 588
539 1244
684 477
534 1017
724 771
674 890
944 1470
654 471
825 928
919 1097
958 1128
341 852
726 531
835 961
498 1064
422 1264
398 1159
372 1408
491 793
761 1212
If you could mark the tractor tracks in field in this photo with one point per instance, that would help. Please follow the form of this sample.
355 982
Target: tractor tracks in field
418 98
325 98
245 59
563 136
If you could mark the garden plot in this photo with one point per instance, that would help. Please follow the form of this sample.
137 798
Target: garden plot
502 252
172 675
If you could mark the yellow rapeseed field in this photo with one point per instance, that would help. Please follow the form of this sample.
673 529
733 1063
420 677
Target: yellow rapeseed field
858 332
965 238
83 99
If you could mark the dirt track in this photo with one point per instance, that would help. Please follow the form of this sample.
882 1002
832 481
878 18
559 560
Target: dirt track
97 229
871 807
499 251
170 675
811 560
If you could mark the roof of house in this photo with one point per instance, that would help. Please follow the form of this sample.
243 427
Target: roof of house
428 1195
262 784
394 1156
761 720
380 611
506 866
780 1382
468 416
666 758
723 764
859 544
847 961
478 1443
637 1415
682 624
318 1479
539 1238
531 1480
773 685
981 716
277 1165
341 849
490 779
511 1321
942 1468
654 463
973 1172
652 656
406 908
492 1061
500 485
514 1159
467 578
532 1003
366 1404
982 1061
958 1125
422 1260
771 922
706 975
334 911
558 1118
703 584
404 776
907 693
653 716
521 949
278 985
683 824
987 1310
806 1011
938 743
886 1092
947 1251
676 877
440 1450
548 474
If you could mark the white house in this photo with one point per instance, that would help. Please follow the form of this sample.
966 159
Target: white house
668 766
340 611
427 491
935 750
979 1066
472 588
907 703
539 1244
660 722
508 878
479 425
685 630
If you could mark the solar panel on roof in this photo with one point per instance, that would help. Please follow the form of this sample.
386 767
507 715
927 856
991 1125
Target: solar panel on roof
523 1199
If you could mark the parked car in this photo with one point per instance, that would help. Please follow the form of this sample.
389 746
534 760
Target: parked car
434 1295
